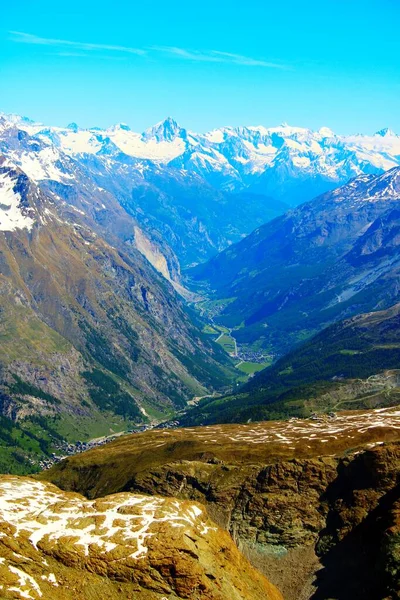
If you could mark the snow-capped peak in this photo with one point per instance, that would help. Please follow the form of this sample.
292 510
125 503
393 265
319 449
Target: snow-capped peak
371 188
164 131
120 127
288 130
326 132
16 119
73 127
386 132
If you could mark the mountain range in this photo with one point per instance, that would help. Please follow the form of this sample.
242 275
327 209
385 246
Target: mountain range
234 158
97 225
197 192
181 218
124 257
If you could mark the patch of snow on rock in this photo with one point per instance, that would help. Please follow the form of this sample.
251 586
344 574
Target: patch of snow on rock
11 215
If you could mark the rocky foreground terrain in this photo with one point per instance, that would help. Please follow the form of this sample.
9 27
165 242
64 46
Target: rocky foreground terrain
59 546
313 503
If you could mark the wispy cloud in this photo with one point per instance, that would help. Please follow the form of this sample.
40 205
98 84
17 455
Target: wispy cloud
214 56
69 54
27 38
217 57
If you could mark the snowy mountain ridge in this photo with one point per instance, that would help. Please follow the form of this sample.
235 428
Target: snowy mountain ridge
288 163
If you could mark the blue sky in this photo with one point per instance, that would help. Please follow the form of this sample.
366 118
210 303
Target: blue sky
208 64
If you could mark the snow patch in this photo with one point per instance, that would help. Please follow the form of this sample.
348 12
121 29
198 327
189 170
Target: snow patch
25 581
42 513
11 215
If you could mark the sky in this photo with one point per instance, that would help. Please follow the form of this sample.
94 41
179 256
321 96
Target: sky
208 64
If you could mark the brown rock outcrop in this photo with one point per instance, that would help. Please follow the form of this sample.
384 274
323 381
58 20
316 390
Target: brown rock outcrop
59 545
302 520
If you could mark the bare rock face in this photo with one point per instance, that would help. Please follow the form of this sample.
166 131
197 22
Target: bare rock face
60 546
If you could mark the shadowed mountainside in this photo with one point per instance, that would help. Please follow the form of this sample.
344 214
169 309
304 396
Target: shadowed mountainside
327 260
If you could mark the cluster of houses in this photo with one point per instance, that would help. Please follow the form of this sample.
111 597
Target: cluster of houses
64 449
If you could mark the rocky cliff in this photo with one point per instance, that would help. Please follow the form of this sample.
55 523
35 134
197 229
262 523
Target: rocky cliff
59 545
314 504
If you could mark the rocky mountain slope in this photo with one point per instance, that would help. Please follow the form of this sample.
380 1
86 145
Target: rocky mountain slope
88 327
61 546
326 260
313 503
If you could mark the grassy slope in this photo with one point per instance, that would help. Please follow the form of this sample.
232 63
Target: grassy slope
87 333
330 371
249 367
224 450
21 445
